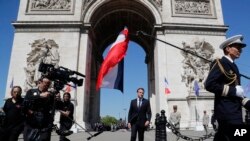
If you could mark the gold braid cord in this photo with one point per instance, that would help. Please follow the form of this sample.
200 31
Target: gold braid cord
232 77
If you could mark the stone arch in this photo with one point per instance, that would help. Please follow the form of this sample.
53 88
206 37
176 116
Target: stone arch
136 16
95 5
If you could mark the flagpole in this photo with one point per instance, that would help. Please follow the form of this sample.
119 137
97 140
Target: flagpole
196 116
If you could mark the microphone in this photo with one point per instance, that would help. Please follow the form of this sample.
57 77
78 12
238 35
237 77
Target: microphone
78 73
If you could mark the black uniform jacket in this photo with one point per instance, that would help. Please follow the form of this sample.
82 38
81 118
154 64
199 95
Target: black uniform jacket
141 114
227 105
42 116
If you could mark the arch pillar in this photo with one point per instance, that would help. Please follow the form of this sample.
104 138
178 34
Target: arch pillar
158 98
87 100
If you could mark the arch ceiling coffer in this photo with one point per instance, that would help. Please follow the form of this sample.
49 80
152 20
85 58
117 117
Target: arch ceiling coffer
111 17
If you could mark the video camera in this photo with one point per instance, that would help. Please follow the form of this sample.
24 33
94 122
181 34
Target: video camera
60 75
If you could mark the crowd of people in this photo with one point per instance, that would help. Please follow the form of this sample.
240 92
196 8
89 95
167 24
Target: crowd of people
33 115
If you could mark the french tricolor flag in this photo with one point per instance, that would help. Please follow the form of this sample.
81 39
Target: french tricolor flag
167 89
111 71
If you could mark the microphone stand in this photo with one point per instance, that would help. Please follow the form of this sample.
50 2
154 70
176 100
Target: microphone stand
187 51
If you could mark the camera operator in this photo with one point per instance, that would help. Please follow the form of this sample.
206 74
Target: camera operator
66 117
38 108
13 120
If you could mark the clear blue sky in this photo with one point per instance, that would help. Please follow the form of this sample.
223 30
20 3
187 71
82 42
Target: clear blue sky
113 102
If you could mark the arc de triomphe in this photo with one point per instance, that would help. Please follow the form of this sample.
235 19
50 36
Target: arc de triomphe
75 34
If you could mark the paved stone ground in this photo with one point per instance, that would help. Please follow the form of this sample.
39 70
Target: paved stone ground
124 135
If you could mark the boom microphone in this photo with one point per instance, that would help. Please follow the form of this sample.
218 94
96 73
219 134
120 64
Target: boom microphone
187 51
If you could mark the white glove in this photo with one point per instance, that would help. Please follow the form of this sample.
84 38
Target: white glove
239 91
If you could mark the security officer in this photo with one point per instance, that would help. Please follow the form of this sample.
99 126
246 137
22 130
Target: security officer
14 119
224 81
175 119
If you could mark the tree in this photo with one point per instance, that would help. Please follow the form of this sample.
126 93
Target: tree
108 120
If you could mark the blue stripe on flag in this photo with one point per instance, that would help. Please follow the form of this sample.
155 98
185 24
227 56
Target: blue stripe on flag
119 79
114 78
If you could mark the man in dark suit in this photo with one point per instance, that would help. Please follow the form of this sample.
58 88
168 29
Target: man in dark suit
139 115
224 81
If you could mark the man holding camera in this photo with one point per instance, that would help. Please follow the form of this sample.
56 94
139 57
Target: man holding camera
38 107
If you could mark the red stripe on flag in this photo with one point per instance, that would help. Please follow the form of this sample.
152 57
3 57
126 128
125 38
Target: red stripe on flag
167 89
115 55
68 88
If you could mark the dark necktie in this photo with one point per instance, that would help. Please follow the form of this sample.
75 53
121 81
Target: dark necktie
140 102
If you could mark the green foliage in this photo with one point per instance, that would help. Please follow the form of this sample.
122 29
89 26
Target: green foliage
108 120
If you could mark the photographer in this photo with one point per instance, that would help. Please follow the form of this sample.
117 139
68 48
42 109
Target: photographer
13 120
38 108
66 117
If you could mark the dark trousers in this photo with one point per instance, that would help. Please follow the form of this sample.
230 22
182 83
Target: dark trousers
205 128
11 133
35 134
65 126
226 130
137 128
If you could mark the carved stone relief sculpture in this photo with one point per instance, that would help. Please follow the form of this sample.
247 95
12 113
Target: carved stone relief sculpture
195 68
50 6
203 8
158 3
191 6
42 50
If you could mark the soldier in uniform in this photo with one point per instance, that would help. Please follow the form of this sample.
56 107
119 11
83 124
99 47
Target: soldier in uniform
175 118
205 121
224 81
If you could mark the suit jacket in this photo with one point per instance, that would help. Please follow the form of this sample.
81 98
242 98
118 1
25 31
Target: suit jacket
140 115
227 106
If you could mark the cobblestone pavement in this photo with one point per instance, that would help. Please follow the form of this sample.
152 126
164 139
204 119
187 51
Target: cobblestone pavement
124 135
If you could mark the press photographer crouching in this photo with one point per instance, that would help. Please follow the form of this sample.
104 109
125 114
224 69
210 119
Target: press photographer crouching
39 104
66 117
